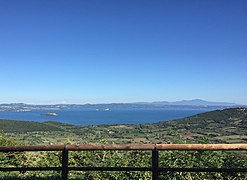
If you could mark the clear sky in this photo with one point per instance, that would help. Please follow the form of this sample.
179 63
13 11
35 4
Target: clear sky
100 51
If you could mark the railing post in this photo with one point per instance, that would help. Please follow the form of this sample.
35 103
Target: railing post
155 163
65 156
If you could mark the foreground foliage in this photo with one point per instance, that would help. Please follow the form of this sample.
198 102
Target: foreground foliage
173 159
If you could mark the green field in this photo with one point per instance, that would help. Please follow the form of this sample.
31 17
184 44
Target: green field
221 126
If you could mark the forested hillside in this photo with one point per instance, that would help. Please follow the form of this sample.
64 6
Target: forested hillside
220 126
25 126
217 126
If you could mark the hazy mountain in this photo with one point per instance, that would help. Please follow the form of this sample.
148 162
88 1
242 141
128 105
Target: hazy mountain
193 102
196 102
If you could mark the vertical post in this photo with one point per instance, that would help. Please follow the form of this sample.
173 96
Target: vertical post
155 163
65 156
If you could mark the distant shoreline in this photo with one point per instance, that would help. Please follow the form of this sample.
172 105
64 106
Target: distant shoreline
111 116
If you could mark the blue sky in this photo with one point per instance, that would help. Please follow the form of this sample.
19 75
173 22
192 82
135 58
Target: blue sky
57 51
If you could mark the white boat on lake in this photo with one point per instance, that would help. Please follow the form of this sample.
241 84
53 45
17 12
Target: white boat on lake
50 114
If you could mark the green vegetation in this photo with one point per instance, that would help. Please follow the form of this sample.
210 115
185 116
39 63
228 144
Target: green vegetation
225 126
25 126
220 126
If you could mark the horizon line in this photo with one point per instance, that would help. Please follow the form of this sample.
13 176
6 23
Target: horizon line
66 103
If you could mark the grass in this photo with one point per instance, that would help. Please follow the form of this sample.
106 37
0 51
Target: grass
220 126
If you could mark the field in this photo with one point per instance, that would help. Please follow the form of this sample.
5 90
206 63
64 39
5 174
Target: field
221 126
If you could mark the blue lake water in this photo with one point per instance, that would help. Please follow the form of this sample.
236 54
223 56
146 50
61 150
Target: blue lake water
94 117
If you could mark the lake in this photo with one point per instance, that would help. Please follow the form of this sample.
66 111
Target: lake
95 117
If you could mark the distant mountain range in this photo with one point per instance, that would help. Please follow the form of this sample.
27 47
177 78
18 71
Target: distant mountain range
195 103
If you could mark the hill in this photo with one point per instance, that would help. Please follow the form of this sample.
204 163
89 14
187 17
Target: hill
196 102
25 126
228 125
228 122
192 104
220 126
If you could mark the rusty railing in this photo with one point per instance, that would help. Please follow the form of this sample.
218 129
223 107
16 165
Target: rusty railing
155 148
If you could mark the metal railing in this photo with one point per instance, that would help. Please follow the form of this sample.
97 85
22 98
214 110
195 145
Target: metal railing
155 148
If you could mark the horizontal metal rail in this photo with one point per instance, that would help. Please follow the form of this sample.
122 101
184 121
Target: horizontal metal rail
32 148
228 170
212 147
30 168
159 147
155 148
86 147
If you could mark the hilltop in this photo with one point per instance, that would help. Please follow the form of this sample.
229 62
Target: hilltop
228 125
25 126
219 126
